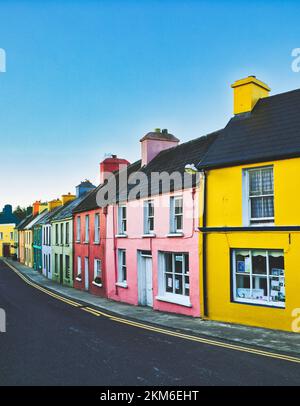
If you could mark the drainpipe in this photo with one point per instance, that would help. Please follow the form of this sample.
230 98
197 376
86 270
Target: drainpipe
204 246
104 242
115 252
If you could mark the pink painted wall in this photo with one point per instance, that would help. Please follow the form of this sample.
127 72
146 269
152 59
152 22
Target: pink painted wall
151 148
188 243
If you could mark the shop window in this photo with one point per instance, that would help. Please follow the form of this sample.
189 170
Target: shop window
175 272
259 277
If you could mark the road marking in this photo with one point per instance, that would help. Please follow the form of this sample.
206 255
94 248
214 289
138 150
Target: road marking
143 326
36 286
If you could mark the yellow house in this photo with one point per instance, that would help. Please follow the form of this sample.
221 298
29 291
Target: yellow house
250 228
8 222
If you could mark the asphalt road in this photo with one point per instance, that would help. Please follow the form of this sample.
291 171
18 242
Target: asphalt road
49 342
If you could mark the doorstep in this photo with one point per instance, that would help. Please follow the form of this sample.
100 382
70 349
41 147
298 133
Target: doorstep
275 340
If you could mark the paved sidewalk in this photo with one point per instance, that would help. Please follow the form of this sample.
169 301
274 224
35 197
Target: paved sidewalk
272 340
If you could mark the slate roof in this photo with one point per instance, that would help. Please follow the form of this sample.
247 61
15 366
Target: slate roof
170 160
270 132
48 216
35 220
24 222
68 209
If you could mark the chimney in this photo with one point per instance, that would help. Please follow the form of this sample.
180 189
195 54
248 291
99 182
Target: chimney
29 211
7 209
84 187
247 92
36 207
155 142
111 164
67 198
53 204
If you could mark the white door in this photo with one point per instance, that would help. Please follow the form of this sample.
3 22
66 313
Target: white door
86 273
148 278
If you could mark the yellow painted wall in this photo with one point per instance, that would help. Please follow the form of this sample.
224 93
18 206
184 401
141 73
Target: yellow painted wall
224 208
28 255
21 247
7 230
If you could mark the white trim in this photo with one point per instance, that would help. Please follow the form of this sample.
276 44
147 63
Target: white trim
122 284
150 235
121 235
175 234
176 299
97 284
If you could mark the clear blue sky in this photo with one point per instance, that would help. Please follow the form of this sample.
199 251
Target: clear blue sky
89 77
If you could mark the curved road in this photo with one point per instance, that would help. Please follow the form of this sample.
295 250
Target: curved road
49 342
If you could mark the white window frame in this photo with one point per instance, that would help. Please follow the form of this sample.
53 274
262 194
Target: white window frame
87 228
247 219
78 228
97 268
147 217
122 266
122 221
67 268
67 236
62 227
173 297
97 228
79 267
173 216
267 276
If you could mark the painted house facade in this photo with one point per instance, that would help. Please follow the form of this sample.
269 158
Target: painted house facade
30 254
8 222
251 229
62 237
42 239
90 236
152 254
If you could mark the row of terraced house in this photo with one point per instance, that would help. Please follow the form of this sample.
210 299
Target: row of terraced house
207 228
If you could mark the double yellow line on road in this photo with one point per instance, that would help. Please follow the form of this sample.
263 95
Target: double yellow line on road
159 330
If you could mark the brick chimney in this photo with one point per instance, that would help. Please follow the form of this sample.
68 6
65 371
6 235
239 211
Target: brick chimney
53 204
36 207
111 164
247 92
155 142
67 198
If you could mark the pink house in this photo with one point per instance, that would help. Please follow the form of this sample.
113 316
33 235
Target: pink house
152 247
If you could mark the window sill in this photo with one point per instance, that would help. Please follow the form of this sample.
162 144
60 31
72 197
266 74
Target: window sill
86 242
178 234
121 236
97 284
77 241
149 235
122 285
261 224
271 305
182 301
96 243
78 279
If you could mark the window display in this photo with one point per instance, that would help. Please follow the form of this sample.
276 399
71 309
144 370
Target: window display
259 277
